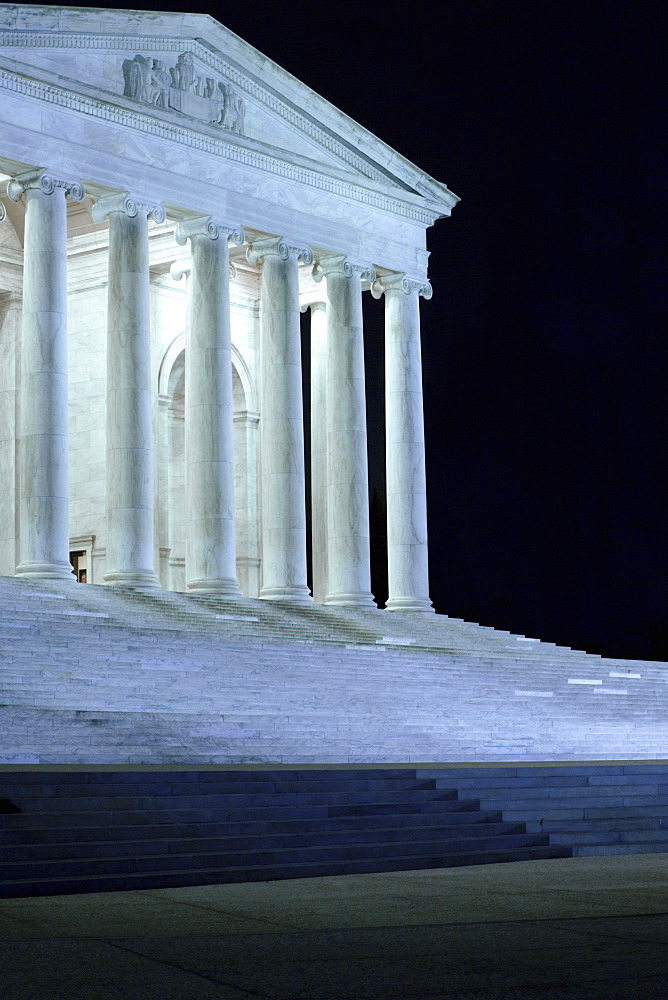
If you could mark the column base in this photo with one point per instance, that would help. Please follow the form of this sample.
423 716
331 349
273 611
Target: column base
295 595
45 571
422 604
137 580
351 599
219 587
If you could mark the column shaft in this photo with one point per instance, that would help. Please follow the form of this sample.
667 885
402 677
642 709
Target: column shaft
130 542
347 472
281 428
408 573
44 492
319 450
210 539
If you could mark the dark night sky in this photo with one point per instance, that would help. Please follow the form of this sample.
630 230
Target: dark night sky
544 344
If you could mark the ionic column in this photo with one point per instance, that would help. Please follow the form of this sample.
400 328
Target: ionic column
281 424
43 455
347 465
210 532
408 572
129 456
319 450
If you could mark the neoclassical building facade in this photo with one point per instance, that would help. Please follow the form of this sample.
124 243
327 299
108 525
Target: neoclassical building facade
171 201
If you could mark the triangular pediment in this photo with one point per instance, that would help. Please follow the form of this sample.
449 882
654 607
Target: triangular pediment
190 71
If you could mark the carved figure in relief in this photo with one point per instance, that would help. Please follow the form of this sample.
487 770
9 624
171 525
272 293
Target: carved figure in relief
183 74
146 80
160 84
233 110
179 88
137 73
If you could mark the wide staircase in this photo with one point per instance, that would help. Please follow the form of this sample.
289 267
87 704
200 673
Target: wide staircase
101 830
95 675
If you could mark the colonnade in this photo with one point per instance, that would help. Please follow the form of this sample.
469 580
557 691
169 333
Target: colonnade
339 455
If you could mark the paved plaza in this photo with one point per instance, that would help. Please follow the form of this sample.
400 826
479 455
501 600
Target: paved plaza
571 929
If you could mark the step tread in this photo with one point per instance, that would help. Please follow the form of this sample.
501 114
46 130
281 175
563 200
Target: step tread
261 873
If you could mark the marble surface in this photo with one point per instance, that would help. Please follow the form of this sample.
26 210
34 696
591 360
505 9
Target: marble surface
319 449
282 428
129 429
209 443
301 164
43 452
408 572
349 574
164 480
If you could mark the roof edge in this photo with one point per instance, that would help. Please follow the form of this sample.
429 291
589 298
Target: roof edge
221 40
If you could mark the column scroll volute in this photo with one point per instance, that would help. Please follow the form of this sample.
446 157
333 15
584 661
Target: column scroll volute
401 282
205 225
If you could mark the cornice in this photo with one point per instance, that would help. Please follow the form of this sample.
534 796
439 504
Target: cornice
148 121
259 92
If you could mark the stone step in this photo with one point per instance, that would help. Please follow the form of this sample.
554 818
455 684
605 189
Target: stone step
162 672
42 828
349 829
230 783
617 823
230 802
575 838
140 812
614 812
161 879
329 623
430 840
147 828
599 850
580 792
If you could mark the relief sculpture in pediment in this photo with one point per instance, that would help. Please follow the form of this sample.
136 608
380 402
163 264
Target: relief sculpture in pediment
179 87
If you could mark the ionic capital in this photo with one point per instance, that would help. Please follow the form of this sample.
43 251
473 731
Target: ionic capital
401 282
43 180
278 246
129 205
3 212
342 265
204 225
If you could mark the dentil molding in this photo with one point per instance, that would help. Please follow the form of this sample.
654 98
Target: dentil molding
149 124
28 39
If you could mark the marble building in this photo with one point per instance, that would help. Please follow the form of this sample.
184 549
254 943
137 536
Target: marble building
170 201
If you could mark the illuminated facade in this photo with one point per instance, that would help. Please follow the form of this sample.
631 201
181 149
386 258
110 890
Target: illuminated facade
173 200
